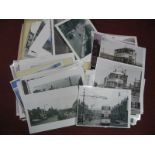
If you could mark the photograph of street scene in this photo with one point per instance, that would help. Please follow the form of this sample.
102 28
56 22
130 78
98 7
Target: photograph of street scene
54 108
61 83
97 38
103 107
125 53
120 76
77 33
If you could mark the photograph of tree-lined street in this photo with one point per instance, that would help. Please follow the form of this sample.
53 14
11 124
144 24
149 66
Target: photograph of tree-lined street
46 114
52 106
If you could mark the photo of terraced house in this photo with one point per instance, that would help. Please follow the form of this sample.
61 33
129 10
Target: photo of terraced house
98 110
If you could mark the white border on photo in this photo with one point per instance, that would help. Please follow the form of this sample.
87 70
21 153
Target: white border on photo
121 38
38 75
111 44
50 72
59 75
142 96
40 99
36 50
31 36
106 90
100 65
86 58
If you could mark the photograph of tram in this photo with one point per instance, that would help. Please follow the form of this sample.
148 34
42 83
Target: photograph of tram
103 107
105 115
121 52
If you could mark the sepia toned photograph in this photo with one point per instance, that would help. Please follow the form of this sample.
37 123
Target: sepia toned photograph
96 43
121 52
48 110
77 34
103 107
117 75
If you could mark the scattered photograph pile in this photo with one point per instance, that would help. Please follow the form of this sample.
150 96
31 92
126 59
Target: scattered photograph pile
69 74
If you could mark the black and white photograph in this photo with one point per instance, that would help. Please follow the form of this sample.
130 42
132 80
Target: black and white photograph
121 52
70 76
47 111
77 34
116 75
103 107
35 28
75 80
44 43
60 44
96 43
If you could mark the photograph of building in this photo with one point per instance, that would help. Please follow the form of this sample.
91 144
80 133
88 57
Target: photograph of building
77 33
101 110
120 76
